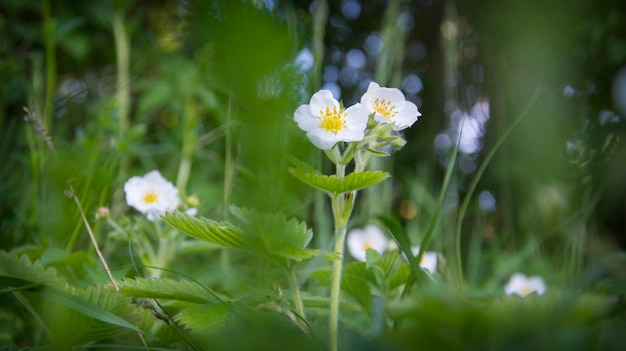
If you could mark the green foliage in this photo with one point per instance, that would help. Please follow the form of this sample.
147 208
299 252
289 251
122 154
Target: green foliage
221 233
87 314
272 236
356 280
20 266
335 185
284 238
441 319
204 319
212 87
164 288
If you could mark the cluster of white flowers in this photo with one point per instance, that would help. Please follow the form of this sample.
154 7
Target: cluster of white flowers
151 195
371 237
522 285
327 122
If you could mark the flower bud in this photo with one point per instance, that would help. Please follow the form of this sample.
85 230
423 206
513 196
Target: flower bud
398 143
103 214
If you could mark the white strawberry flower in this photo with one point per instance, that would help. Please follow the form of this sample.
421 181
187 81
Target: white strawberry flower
428 261
151 194
389 106
522 285
326 122
360 240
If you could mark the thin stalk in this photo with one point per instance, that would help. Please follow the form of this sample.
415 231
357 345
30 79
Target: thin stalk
51 64
296 292
320 16
189 140
479 174
229 171
122 49
433 223
72 194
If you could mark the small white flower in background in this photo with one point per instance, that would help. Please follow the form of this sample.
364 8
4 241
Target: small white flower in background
191 211
326 122
389 106
428 261
371 237
151 194
522 285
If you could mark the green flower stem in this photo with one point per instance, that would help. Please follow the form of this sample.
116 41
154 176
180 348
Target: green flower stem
165 250
342 205
296 292
335 290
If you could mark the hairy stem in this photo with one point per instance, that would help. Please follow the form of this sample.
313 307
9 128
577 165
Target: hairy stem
335 290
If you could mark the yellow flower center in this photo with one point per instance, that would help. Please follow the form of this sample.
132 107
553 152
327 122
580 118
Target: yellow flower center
385 108
527 289
367 245
332 120
150 197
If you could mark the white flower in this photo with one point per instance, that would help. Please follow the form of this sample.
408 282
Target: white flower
151 194
371 237
326 122
389 106
191 211
523 285
428 261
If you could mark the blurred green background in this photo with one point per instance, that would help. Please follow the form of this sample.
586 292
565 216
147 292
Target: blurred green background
126 87
205 91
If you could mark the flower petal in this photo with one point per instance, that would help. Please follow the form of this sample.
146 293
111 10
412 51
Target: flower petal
321 139
406 117
359 240
306 121
321 100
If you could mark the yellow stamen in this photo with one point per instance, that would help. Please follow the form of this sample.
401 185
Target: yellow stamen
332 120
527 289
150 197
367 245
385 108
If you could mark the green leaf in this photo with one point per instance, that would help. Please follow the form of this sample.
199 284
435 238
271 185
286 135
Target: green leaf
300 164
371 257
283 238
379 153
13 266
85 329
204 319
398 277
335 185
387 262
404 244
221 233
356 282
164 288
70 301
